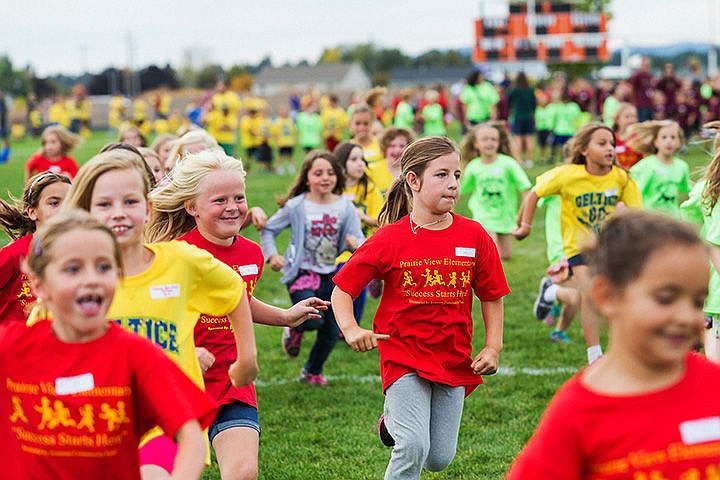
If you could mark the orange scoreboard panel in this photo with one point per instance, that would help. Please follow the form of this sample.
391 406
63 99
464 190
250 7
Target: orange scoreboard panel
561 35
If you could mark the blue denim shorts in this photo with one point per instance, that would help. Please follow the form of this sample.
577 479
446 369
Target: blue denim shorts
231 415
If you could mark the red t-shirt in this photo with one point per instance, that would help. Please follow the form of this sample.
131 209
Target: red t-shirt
673 433
15 293
78 410
426 304
626 156
215 333
39 163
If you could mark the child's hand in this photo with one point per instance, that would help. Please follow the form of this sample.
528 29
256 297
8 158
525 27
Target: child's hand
277 262
352 242
243 373
522 231
305 310
363 340
205 358
259 218
486 362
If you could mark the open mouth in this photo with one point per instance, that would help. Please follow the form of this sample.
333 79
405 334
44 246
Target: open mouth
90 304
120 229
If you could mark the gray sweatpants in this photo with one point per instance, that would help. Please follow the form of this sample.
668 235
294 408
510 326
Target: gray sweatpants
424 419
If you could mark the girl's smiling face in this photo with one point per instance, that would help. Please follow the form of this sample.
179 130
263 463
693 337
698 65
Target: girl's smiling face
221 206
78 284
321 178
355 164
118 200
487 141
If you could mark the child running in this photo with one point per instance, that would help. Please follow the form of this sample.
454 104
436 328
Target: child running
590 187
205 205
168 284
625 117
57 143
41 200
368 201
495 181
649 409
362 120
323 224
432 261
661 177
78 392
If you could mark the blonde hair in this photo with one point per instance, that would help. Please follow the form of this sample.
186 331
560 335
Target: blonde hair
711 191
138 132
40 251
581 140
161 140
363 108
14 218
622 106
68 140
193 136
169 219
80 194
416 158
643 135
468 150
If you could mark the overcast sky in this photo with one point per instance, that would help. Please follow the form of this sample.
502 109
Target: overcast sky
72 36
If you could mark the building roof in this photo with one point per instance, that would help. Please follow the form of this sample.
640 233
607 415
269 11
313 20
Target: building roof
304 74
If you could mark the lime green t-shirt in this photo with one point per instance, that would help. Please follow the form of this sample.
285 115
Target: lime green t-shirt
404 116
310 130
478 101
544 117
553 233
610 107
711 233
565 118
494 191
661 184
433 120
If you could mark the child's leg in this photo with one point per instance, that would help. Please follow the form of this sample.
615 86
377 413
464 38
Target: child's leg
407 417
327 335
589 317
446 412
235 437
712 340
504 244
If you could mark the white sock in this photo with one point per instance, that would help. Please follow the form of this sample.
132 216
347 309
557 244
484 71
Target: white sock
550 294
593 353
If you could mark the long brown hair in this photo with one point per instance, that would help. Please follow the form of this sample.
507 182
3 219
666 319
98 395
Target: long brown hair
301 182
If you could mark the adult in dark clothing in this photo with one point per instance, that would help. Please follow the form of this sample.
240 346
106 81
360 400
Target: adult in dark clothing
643 90
521 99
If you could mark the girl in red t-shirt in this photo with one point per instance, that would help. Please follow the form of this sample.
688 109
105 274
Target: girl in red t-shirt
57 143
82 384
205 205
432 261
625 116
43 195
649 408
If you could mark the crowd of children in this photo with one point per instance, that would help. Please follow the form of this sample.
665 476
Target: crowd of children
371 209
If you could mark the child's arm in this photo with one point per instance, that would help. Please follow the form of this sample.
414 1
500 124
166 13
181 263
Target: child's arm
525 217
486 362
300 312
257 217
244 370
191 447
360 339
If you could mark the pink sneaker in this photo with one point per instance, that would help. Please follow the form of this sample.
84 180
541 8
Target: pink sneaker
312 379
291 340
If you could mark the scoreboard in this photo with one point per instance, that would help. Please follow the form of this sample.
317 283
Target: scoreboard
560 34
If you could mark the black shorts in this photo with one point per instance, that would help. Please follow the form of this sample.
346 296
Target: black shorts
544 137
523 126
285 151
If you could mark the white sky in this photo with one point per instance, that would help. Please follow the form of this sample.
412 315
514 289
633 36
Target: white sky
72 36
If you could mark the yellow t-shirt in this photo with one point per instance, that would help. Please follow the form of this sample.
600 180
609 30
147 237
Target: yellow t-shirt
216 121
57 113
334 121
586 201
229 99
377 169
250 135
284 132
371 205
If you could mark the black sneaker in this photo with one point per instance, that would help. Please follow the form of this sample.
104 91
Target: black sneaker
385 436
542 307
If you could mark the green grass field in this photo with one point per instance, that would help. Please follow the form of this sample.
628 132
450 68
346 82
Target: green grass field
323 433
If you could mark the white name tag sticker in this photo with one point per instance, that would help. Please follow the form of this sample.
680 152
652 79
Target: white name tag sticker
76 384
611 192
701 430
465 252
171 290
248 269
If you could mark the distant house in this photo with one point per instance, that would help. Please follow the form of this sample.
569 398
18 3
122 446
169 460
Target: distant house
413 77
344 77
